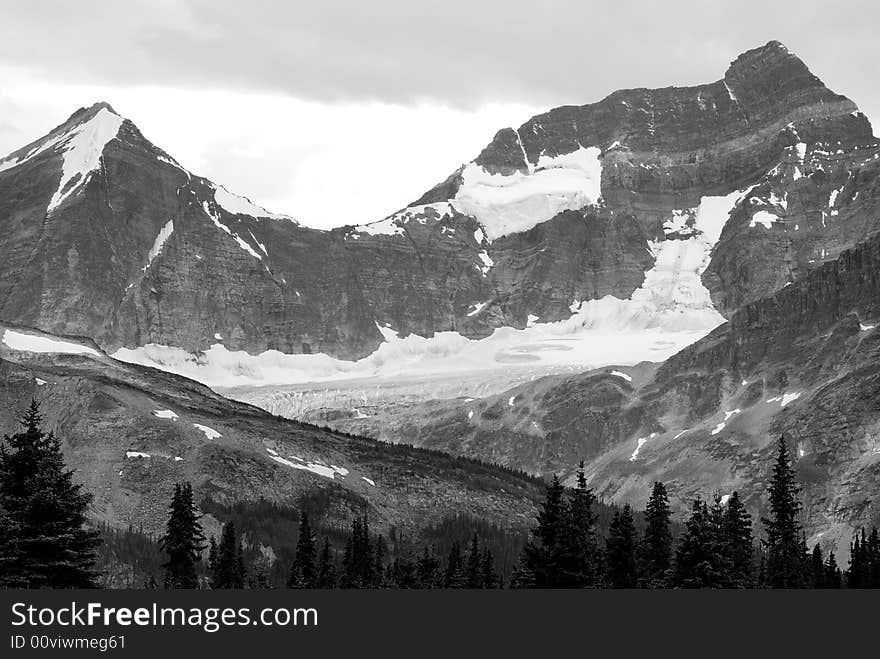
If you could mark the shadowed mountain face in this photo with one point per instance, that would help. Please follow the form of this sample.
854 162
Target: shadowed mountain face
132 432
106 235
802 363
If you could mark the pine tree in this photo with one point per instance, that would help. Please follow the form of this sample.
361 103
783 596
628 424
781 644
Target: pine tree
302 572
540 561
212 557
656 547
488 577
620 551
698 556
427 569
817 567
359 559
578 557
229 570
872 556
738 544
379 577
183 541
44 542
326 567
454 577
857 574
473 566
785 555
259 575
833 578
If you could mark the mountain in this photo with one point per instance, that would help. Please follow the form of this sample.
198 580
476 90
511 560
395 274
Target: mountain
801 363
635 224
131 432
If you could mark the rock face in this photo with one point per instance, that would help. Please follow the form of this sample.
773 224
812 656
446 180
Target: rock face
801 363
105 235
132 432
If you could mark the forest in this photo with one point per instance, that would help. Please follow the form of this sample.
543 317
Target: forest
577 541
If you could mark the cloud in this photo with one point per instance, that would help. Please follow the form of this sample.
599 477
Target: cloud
340 111
454 52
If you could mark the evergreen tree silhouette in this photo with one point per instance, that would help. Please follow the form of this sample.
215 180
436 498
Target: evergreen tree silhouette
578 557
833 578
620 551
473 567
817 567
229 570
183 541
427 569
326 567
302 572
698 556
540 562
488 577
44 542
656 547
785 556
738 544
454 577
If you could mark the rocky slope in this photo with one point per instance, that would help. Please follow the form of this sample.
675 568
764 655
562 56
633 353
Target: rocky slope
735 187
131 432
801 363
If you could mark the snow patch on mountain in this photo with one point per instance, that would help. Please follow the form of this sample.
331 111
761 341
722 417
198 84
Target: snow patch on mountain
505 204
164 233
215 218
210 433
82 153
238 205
35 343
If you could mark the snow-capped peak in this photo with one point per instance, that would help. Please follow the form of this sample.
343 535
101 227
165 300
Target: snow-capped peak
80 140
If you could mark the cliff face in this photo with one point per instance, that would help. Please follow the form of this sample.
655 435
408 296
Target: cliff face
106 235
803 363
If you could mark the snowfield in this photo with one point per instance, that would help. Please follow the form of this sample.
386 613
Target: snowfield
518 202
34 343
669 311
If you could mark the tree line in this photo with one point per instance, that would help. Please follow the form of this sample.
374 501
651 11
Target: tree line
46 541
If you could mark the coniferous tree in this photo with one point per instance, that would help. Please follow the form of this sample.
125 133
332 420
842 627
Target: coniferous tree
785 556
44 542
454 577
656 547
857 573
540 562
326 567
698 556
578 558
427 569
212 557
183 541
229 569
473 566
738 543
620 551
833 577
488 577
259 575
817 567
302 572
379 577
872 559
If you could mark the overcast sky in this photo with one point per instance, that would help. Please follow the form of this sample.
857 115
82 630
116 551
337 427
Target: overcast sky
342 111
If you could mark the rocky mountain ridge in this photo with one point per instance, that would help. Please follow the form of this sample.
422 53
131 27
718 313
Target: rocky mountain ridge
578 204
131 432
